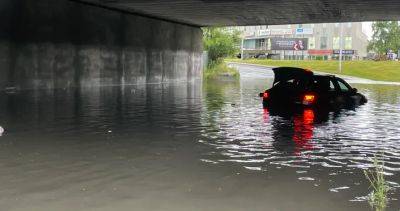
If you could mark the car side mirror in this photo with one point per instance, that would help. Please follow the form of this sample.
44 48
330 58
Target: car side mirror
261 94
355 90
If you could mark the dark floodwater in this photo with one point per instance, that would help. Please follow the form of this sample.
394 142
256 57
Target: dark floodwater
191 147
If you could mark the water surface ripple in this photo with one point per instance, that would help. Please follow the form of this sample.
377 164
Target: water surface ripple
195 146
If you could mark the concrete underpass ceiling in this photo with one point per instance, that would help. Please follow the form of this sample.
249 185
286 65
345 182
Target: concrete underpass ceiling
258 12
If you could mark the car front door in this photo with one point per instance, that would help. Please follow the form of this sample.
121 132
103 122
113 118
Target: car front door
344 92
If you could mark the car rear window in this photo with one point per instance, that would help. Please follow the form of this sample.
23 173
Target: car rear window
292 83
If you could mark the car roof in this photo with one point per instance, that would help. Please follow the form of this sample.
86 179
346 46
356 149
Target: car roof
288 73
324 76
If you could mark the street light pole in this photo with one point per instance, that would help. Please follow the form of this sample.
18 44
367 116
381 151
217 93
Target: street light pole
340 47
241 50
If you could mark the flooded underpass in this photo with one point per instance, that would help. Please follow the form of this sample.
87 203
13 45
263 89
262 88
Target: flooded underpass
196 146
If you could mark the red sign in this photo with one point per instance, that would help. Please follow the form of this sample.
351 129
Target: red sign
320 52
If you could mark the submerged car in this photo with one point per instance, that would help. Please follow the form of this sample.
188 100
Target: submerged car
301 87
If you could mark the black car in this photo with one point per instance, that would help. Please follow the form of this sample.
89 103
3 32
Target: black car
301 87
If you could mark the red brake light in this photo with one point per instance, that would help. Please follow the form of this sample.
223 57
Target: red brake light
265 95
308 99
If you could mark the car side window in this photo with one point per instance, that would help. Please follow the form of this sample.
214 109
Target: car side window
343 87
331 86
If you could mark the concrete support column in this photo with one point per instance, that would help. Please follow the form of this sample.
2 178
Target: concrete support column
61 44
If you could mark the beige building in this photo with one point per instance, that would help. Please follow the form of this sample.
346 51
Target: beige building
305 41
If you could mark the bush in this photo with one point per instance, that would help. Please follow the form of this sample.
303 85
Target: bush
219 44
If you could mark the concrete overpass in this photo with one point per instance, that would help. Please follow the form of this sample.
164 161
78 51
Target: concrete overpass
74 43
258 12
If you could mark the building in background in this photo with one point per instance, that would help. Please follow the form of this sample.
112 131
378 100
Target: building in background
304 41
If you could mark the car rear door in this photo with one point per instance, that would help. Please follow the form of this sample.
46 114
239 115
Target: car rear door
325 89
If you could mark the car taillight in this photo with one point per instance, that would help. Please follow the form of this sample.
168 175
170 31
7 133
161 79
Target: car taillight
265 95
308 99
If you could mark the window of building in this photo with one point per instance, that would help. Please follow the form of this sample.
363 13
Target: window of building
324 33
336 43
348 43
311 43
262 44
324 41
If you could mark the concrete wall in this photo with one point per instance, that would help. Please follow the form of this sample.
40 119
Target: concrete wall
60 44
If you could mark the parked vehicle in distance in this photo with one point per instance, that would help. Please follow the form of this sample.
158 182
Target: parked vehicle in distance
301 87
261 56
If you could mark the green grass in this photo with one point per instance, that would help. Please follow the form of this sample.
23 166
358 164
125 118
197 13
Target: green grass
221 70
375 70
380 188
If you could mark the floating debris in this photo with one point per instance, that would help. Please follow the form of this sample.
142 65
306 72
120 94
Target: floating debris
253 168
338 189
208 161
306 178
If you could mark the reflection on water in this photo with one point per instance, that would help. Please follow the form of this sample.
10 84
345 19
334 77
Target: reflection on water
193 146
315 143
302 133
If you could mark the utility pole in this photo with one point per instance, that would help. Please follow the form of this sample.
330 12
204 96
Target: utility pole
242 50
340 47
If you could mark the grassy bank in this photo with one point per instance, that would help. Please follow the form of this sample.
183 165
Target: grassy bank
381 70
220 70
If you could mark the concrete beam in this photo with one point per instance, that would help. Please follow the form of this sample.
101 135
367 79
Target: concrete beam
258 12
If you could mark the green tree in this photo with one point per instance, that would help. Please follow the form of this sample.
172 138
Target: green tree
386 36
220 43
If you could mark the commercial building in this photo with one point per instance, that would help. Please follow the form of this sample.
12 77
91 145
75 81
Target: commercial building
305 41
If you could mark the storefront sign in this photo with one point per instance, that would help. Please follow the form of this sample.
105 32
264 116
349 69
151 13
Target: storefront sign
303 31
320 52
249 33
296 44
267 32
344 52
281 31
